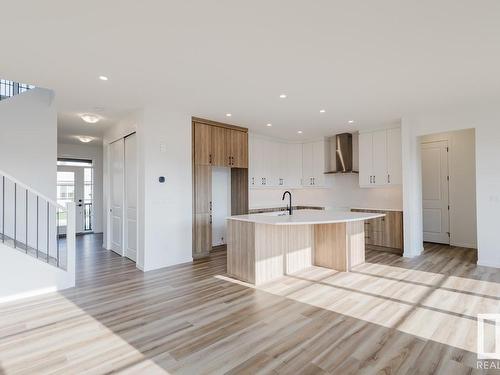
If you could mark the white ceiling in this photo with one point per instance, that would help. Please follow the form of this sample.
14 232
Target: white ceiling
370 61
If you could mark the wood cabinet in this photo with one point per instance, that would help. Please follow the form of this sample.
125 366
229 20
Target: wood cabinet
221 145
385 231
238 149
203 142
380 158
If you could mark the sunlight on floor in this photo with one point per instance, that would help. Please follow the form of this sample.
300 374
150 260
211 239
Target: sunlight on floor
428 305
74 336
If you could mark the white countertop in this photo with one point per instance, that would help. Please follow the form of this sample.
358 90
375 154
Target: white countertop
304 217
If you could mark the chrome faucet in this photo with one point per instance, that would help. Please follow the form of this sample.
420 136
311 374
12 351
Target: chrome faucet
290 209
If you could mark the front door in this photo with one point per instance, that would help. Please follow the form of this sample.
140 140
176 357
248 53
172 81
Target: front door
435 192
74 184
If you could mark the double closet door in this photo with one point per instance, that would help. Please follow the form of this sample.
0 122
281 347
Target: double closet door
123 196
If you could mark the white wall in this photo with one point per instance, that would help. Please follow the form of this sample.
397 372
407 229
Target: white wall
485 119
221 204
28 139
166 149
165 209
24 276
462 185
342 191
94 153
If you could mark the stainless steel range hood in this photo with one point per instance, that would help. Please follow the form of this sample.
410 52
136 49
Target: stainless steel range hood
341 154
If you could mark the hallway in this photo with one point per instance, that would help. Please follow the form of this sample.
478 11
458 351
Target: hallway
190 319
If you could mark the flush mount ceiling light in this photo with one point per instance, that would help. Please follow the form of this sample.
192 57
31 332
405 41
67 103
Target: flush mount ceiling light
322 111
299 132
351 121
103 78
85 139
228 115
90 118
269 125
283 96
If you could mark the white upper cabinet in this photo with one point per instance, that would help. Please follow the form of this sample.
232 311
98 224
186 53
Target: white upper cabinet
278 164
313 163
365 159
307 164
394 162
380 158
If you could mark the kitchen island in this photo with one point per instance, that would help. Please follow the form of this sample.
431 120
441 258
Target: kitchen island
263 247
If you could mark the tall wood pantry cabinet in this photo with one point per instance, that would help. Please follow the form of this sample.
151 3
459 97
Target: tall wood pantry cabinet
216 145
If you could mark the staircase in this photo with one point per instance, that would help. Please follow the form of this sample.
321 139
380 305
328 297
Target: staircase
34 256
11 88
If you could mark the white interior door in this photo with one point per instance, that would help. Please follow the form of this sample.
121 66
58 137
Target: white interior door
117 159
131 197
435 192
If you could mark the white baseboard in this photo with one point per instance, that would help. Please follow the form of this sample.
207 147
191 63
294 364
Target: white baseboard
486 264
466 245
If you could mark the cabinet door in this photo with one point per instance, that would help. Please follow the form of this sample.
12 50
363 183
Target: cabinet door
221 138
394 164
252 161
365 159
380 158
280 165
202 144
294 165
307 164
239 149
319 163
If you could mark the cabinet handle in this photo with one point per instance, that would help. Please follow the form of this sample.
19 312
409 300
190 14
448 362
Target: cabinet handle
210 206
370 179
210 159
253 180
210 219
388 178
374 179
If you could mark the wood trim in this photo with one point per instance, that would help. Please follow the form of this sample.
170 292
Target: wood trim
219 124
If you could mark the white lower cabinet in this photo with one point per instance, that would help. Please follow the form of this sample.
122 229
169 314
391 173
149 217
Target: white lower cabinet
380 158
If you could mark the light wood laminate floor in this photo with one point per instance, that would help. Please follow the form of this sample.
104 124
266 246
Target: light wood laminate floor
391 315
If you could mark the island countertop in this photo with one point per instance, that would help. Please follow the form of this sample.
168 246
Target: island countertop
306 217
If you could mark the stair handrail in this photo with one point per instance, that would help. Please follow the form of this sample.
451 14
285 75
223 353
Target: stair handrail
31 190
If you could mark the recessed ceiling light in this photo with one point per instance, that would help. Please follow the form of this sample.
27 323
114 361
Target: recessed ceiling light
228 115
350 121
299 132
85 139
283 96
322 111
103 78
90 118
269 124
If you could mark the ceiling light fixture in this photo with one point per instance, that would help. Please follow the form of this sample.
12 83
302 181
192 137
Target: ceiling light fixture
269 125
322 111
283 96
299 132
90 118
103 78
351 121
85 139
228 115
